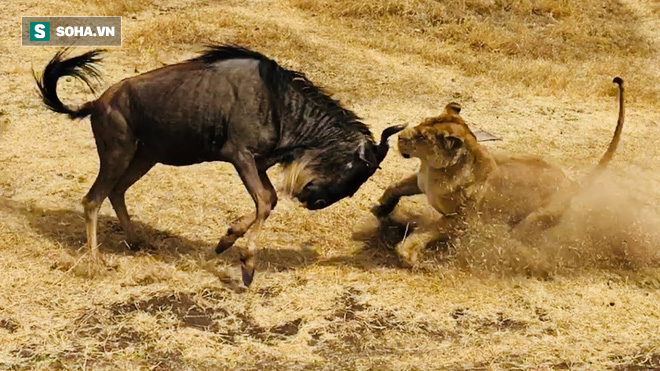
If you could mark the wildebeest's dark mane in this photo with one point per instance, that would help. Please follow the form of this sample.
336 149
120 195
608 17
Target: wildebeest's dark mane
216 53
278 78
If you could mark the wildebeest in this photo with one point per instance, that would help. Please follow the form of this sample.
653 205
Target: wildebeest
228 104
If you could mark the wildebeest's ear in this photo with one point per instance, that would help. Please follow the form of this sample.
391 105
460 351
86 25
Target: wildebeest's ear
362 155
383 147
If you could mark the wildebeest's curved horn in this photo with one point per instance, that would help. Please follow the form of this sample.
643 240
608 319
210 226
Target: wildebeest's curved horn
383 147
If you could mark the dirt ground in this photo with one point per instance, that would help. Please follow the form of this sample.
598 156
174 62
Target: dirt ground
537 73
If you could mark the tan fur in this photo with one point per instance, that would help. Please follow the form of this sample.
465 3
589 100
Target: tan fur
295 175
462 180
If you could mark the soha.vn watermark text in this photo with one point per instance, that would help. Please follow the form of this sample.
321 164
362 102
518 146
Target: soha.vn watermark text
71 31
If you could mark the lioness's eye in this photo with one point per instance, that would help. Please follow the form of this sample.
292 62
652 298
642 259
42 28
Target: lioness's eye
452 142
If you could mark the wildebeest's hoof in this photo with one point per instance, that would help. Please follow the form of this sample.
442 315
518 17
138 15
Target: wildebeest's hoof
97 258
382 210
247 269
247 274
225 243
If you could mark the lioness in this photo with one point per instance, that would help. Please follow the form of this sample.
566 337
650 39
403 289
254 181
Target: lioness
461 180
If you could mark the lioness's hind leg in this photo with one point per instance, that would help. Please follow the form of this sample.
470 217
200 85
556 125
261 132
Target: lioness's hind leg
543 218
551 213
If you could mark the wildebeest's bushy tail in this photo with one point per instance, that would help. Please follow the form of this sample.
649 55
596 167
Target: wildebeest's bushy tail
80 67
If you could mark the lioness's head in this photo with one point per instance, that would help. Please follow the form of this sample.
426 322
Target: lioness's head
441 141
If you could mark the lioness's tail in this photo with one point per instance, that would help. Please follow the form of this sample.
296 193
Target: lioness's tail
551 213
80 67
605 160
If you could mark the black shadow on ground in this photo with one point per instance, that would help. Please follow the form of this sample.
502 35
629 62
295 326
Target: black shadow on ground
67 228
377 248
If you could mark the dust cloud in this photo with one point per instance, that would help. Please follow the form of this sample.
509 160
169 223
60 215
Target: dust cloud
607 226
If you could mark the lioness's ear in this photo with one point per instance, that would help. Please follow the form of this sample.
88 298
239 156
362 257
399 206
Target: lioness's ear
484 136
453 108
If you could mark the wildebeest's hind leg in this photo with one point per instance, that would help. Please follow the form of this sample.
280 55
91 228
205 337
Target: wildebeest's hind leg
139 166
265 198
116 146
391 196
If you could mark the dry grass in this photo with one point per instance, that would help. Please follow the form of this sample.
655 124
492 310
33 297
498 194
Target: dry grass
537 73
540 46
119 8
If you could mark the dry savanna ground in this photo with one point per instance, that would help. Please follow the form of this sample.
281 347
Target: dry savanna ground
535 72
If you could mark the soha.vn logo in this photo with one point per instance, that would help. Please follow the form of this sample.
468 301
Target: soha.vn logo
39 31
71 31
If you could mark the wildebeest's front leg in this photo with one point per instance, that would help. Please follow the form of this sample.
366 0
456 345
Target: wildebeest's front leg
265 198
235 231
393 193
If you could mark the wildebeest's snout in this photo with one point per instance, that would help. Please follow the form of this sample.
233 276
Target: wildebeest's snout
318 204
313 197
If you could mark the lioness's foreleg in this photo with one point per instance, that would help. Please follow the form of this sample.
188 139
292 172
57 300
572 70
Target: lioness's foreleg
393 193
409 249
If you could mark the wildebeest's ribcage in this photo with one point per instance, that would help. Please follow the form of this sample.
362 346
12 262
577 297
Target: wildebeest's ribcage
188 118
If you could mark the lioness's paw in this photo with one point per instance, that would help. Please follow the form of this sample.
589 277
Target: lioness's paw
382 210
366 228
408 252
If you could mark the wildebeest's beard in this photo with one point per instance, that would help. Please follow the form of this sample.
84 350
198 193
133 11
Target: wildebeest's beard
320 178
